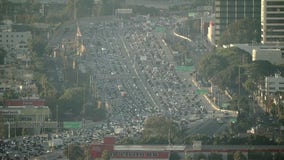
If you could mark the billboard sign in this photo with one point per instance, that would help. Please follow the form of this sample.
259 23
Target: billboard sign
72 125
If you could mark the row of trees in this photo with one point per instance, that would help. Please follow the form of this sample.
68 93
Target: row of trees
231 69
242 31
28 12
68 99
69 96
162 130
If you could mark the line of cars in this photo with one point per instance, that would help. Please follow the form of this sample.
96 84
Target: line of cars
23 148
135 58
133 73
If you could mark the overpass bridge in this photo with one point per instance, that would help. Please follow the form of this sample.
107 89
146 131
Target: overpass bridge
32 124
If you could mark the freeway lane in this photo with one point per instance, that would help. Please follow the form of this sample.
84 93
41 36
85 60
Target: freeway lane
132 69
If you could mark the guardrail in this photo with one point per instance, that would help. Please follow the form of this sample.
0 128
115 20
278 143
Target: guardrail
33 124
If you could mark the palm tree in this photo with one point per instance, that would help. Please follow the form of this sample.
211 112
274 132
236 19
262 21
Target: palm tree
106 155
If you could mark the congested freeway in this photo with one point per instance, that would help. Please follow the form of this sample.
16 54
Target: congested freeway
134 75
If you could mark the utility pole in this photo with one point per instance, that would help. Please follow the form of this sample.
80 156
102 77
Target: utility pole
169 131
9 129
75 10
239 88
83 109
57 126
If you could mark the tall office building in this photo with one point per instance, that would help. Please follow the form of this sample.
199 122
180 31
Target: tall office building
272 22
229 11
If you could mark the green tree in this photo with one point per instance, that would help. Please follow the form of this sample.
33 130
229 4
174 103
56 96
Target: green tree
94 112
281 120
74 152
222 67
106 155
201 156
250 85
239 156
188 157
3 54
159 129
68 11
157 139
199 137
215 156
278 156
10 94
6 8
86 149
98 114
71 101
211 64
259 69
175 156
43 83
84 8
128 141
242 31
37 44
2 129
254 155
259 140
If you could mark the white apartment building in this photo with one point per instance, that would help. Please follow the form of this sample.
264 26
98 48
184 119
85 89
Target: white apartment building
272 22
274 84
262 52
230 11
273 55
15 40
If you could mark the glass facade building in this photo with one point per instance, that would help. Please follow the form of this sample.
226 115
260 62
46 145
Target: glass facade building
272 22
229 11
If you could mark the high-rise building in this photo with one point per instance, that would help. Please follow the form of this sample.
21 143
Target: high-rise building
272 22
15 40
229 11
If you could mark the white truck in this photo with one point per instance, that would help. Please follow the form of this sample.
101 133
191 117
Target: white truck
55 143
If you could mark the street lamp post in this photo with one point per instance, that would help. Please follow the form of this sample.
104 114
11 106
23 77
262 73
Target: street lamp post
57 125
9 129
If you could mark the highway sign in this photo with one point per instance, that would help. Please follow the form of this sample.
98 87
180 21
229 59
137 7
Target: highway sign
185 68
201 91
233 120
188 60
73 125
160 29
